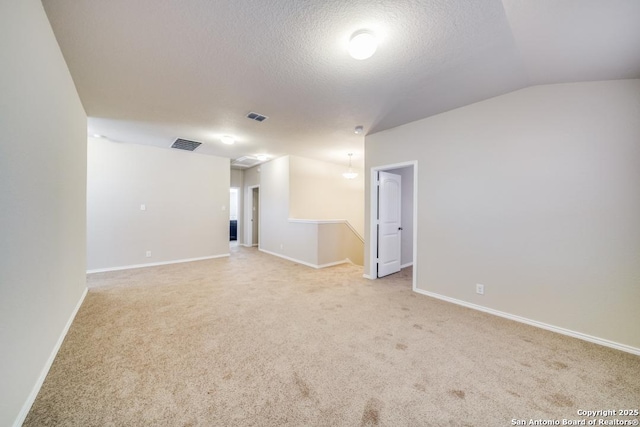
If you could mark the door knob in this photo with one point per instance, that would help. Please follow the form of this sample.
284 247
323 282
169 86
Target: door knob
400 228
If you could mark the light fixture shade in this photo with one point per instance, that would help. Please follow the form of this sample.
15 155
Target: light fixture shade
363 44
350 174
226 139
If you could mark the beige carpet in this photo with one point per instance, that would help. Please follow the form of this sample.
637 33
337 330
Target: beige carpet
254 340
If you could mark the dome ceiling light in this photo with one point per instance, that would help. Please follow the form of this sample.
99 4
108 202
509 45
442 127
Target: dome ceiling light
226 139
362 45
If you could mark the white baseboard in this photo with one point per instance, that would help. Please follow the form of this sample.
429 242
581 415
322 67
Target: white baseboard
367 276
331 264
45 370
541 325
308 264
409 264
154 264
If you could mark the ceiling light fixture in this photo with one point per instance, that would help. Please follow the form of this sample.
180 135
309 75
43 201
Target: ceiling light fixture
226 139
262 157
362 45
358 130
350 174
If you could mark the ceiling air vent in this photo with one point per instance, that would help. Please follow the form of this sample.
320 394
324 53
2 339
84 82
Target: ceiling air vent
245 162
257 117
185 144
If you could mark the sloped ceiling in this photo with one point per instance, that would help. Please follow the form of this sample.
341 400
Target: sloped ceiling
151 71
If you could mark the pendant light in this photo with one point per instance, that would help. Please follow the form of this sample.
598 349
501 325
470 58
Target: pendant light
350 174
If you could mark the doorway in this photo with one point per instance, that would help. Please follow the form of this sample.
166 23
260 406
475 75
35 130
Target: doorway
253 230
389 223
234 203
393 220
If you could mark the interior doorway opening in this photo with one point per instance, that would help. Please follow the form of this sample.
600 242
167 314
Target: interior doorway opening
393 238
234 208
252 236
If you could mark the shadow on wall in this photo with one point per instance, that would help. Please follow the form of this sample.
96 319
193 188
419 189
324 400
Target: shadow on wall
339 241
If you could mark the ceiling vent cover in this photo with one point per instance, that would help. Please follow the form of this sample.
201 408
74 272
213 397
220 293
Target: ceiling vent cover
185 144
245 162
257 117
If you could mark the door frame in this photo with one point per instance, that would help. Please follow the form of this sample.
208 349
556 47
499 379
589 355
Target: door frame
249 229
373 213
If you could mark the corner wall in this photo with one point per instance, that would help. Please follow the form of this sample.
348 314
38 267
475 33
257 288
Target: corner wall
534 194
310 241
319 191
42 203
186 198
277 235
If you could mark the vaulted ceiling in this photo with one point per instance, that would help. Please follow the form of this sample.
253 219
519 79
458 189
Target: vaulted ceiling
151 71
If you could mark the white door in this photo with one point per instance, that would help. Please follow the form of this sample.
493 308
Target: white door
389 226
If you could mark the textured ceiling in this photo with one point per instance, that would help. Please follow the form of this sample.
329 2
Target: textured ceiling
150 71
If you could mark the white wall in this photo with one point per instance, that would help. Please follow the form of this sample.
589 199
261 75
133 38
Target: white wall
237 178
42 203
186 197
319 191
277 235
337 242
536 195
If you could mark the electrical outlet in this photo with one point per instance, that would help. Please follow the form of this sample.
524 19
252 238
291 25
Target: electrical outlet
143 207
148 254
479 289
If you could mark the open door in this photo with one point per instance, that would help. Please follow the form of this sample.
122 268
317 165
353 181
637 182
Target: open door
389 223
